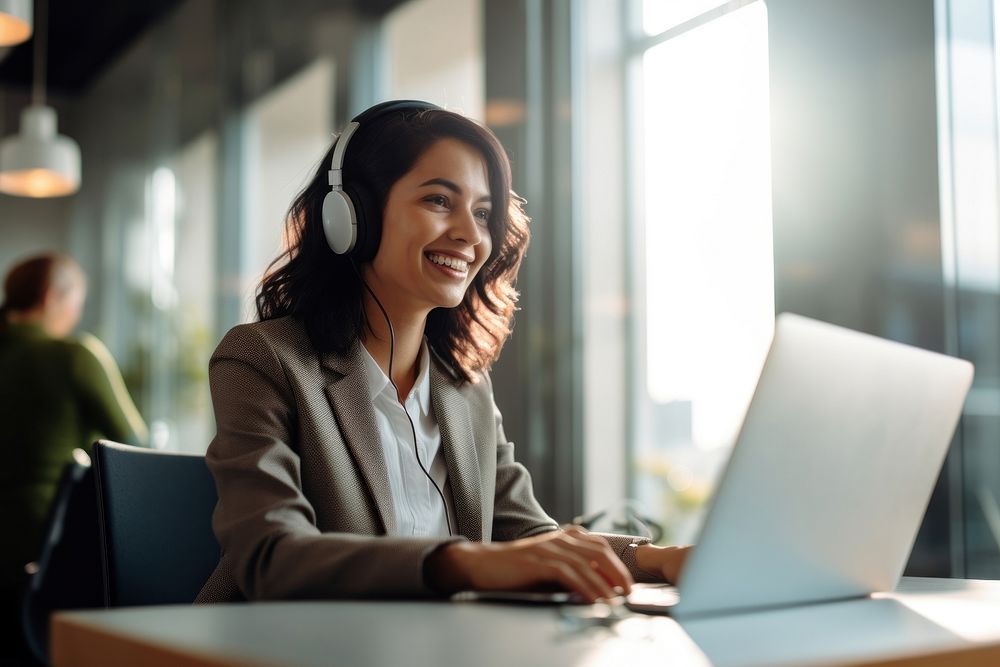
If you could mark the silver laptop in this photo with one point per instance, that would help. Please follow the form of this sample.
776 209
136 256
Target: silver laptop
830 475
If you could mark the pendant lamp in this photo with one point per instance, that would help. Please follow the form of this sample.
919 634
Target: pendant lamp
37 161
15 21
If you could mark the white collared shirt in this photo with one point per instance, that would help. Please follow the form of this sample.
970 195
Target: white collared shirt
417 506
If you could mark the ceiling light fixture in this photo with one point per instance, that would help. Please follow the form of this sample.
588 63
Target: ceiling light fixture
15 21
37 161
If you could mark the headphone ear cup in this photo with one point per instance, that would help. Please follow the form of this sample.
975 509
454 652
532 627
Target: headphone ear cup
339 222
369 222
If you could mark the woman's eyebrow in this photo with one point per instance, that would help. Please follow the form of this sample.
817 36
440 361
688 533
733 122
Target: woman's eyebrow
451 185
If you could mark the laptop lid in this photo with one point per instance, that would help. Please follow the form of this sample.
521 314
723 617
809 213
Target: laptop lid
831 473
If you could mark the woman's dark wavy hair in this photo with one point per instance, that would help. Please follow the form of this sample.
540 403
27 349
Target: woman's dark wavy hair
324 291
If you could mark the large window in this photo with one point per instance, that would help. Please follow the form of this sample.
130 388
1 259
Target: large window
838 160
703 279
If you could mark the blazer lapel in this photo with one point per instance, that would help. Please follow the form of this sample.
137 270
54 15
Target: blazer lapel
352 407
452 413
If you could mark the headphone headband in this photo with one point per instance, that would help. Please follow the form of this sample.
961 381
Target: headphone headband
335 175
366 116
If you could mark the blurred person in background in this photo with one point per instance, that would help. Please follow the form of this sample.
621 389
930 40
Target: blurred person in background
57 393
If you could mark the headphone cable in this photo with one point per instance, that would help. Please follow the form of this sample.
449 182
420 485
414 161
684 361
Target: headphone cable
413 429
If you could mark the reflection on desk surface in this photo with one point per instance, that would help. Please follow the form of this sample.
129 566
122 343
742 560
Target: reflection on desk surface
923 616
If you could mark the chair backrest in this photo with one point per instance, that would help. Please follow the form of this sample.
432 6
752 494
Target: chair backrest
67 573
155 512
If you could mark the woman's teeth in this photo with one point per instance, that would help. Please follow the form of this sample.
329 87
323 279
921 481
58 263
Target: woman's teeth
450 262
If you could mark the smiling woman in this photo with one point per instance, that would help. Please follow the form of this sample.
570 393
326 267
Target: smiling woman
359 450
436 236
322 288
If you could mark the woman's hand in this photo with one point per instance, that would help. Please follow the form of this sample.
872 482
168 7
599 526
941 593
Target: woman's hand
572 558
666 561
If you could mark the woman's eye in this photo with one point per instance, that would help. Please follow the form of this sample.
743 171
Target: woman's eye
437 200
483 215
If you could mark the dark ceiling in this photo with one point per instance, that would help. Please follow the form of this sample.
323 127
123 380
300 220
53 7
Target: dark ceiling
83 39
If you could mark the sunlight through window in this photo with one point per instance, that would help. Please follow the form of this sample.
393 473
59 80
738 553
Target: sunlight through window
709 283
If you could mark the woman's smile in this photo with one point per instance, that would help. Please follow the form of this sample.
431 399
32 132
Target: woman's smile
451 266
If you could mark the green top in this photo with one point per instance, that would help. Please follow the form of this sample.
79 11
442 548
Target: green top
56 395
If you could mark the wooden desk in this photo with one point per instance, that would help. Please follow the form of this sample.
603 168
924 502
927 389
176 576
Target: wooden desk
925 622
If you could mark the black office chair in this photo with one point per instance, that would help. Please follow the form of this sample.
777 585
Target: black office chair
155 512
67 573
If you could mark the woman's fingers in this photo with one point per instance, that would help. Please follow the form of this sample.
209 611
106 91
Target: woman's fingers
587 570
574 579
574 559
596 549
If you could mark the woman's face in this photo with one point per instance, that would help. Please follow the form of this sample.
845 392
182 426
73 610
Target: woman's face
64 306
435 237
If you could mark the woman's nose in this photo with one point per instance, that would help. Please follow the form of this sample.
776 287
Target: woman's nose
467 228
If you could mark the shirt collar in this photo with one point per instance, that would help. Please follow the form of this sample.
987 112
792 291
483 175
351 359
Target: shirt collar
378 381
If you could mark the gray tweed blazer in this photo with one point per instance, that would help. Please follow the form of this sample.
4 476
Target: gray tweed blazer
304 507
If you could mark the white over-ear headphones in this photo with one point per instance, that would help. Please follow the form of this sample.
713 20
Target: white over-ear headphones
340 222
348 223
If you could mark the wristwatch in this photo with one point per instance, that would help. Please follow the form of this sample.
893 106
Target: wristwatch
628 557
